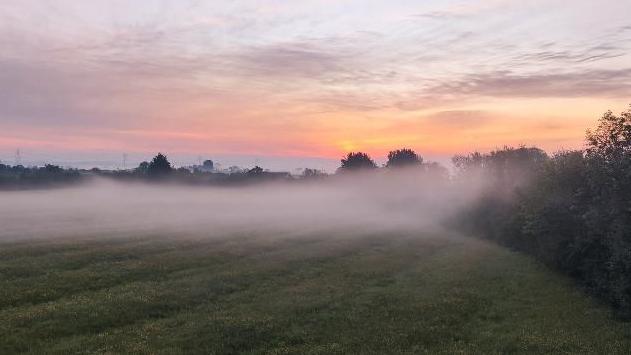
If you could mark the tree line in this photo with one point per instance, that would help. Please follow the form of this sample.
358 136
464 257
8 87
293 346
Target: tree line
18 176
571 210
160 169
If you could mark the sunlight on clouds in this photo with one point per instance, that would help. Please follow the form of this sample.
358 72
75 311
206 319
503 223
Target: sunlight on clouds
300 78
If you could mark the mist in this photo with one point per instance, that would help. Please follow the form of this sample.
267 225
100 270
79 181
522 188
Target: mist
388 202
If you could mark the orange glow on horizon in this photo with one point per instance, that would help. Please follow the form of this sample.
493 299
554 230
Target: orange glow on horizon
548 124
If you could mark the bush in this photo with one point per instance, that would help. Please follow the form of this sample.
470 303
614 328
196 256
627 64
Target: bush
357 161
572 211
403 158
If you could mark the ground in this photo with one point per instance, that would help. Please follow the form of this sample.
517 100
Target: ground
412 293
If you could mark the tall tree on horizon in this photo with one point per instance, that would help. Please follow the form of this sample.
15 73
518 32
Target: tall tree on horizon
403 158
159 166
357 161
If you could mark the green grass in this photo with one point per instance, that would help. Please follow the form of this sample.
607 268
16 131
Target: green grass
328 294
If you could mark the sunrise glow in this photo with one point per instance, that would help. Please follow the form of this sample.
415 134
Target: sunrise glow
307 78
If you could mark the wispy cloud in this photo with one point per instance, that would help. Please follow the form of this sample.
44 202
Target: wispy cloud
589 83
596 53
294 60
296 72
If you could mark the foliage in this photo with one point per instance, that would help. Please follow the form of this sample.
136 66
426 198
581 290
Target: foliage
255 171
18 176
503 169
183 171
611 140
357 161
159 166
208 164
403 158
312 173
572 211
143 168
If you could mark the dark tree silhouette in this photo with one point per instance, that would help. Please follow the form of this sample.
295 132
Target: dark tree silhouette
159 166
52 169
183 171
312 173
143 168
465 164
255 171
24 177
208 164
357 161
612 138
403 158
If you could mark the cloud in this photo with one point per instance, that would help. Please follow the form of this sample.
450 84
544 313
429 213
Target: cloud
459 119
624 28
597 53
439 15
239 72
562 54
462 10
588 83
63 94
289 60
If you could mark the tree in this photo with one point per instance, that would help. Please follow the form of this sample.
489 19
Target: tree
52 169
208 165
465 164
357 161
571 210
159 166
183 171
612 138
403 158
514 167
255 171
143 168
312 173
507 167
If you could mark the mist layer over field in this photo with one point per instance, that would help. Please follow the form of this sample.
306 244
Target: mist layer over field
389 201
345 264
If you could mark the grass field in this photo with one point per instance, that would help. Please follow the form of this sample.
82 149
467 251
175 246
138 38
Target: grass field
246 294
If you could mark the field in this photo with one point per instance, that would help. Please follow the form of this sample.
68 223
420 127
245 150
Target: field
433 293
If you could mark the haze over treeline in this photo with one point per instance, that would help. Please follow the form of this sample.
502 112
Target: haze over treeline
569 210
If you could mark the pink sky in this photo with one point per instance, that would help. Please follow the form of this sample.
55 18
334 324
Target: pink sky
286 81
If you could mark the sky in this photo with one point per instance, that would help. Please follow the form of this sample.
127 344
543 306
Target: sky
292 84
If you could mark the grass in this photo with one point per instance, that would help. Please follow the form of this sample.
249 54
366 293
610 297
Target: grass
309 295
